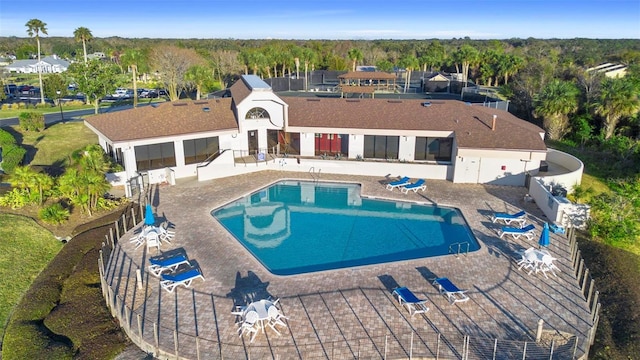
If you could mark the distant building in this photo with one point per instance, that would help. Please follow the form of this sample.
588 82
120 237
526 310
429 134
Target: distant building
47 65
610 70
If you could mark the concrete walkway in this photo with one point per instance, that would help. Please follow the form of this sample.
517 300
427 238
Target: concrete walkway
351 313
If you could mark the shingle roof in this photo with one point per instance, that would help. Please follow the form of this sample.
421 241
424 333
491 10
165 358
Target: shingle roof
166 119
471 124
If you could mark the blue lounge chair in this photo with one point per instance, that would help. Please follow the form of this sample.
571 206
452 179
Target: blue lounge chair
509 218
450 290
527 231
159 265
171 281
418 185
398 183
411 301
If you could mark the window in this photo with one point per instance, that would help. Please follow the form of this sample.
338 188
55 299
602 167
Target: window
156 156
331 144
198 150
381 147
257 113
433 149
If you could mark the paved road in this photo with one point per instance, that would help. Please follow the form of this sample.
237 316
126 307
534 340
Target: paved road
70 115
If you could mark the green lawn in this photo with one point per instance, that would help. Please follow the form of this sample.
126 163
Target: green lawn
25 249
56 142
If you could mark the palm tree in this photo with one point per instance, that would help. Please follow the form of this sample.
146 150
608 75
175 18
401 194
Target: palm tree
34 28
199 76
43 182
82 34
618 98
355 55
132 59
409 63
554 103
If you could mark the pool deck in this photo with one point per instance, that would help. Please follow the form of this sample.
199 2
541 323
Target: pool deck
349 313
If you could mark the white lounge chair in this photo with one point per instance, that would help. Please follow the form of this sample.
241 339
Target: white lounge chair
160 265
398 183
509 218
527 231
171 281
450 290
418 185
411 301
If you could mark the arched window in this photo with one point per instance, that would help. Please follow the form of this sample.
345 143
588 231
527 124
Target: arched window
257 113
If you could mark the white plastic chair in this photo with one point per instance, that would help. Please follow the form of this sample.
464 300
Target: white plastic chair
249 325
275 318
153 240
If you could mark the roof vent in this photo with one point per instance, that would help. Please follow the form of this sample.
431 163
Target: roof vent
180 104
206 109
313 99
426 104
154 105
394 101
351 100
200 102
467 103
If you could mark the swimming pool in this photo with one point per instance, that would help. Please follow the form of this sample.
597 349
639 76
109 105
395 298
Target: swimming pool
295 227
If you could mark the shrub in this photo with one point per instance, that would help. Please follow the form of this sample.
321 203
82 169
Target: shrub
15 199
43 105
6 106
12 156
31 121
6 138
54 214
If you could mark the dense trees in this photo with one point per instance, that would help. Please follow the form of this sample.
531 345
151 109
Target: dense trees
95 79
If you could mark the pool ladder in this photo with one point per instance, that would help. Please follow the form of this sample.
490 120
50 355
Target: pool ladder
315 176
456 248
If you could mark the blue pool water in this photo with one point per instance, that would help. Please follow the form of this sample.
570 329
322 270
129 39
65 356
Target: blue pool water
295 227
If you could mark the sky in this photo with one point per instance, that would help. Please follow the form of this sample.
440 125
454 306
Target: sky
329 19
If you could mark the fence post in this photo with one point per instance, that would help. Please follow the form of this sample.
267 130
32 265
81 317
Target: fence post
175 342
139 319
551 351
590 292
524 351
438 346
411 347
579 275
139 279
495 348
133 216
124 222
198 347
386 337
539 330
111 302
117 229
595 326
584 280
156 338
595 304
113 244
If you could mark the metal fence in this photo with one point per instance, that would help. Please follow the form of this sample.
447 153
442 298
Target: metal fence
169 343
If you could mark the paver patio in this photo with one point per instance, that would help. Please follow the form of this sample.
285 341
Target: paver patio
347 313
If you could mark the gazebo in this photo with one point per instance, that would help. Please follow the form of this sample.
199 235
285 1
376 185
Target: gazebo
366 82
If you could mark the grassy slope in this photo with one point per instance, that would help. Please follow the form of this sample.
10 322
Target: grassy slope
25 249
57 142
